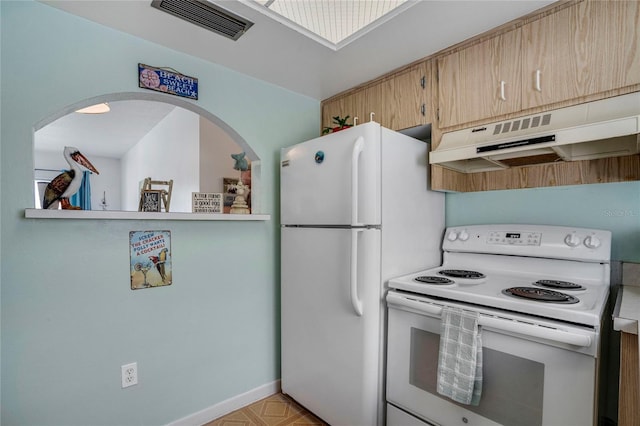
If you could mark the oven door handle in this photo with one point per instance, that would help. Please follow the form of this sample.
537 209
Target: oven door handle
501 324
553 334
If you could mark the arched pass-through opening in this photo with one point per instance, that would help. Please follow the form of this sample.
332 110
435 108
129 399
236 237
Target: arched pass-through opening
155 97
155 100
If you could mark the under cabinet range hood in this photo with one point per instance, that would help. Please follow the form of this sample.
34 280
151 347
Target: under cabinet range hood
599 129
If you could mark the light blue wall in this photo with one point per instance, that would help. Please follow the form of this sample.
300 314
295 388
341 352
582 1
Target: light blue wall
612 206
69 319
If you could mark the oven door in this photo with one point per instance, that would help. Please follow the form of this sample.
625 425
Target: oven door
531 375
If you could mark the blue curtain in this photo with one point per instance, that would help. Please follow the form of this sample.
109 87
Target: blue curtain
82 198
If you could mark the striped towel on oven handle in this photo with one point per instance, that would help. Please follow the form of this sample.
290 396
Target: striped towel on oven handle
460 356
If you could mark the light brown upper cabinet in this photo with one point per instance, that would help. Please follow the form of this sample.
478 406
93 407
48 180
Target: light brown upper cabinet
406 98
366 101
398 101
357 104
480 81
585 49
581 50
340 106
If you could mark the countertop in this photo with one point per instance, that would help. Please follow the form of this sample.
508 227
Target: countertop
627 311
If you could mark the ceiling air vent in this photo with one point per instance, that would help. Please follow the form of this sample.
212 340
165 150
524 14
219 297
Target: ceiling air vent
206 15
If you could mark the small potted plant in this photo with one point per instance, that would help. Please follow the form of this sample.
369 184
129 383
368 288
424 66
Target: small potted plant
341 125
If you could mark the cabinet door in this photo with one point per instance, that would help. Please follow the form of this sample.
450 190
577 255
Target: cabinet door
405 96
481 81
357 104
366 101
584 49
341 107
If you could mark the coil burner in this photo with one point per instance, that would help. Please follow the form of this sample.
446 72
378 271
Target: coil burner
434 280
559 285
461 273
540 295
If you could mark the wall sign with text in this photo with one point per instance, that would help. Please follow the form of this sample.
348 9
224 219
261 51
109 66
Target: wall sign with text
150 259
167 81
206 202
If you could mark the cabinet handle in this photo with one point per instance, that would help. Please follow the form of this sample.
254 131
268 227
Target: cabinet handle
538 74
423 110
502 324
423 81
502 96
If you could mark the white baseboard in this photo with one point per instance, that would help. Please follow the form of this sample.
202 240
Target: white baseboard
229 405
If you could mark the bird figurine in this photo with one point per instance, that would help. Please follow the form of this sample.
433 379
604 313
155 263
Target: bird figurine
241 162
67 183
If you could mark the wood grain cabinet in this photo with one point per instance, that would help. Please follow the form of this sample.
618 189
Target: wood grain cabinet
480 81
585 49
398 101
567 53
405 98
356 104
629 392
340 106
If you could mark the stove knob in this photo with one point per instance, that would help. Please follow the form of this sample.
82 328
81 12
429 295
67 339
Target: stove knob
452 236
592 242
464 235
572 240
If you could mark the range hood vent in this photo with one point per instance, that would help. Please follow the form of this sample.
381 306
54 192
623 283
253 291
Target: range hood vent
599 129
206 15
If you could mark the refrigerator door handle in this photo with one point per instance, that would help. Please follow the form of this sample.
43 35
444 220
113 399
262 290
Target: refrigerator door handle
353 285
358 147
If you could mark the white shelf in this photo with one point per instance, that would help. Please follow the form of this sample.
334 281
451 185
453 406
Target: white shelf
119 215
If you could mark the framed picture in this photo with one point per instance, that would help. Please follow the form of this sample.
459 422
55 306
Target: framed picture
150 200
229 185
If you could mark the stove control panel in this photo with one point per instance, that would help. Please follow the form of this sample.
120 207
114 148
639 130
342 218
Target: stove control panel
515 238
560 242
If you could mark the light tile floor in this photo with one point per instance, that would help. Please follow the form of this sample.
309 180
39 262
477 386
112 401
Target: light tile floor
276 410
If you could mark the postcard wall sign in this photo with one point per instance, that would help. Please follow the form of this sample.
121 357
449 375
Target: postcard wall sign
167 81
150 264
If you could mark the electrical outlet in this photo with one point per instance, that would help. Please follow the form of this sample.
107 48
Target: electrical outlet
129 374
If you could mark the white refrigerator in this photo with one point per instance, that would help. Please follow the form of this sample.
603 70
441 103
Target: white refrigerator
355 211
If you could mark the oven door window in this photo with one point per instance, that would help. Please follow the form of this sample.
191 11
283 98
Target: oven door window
512 387
525 382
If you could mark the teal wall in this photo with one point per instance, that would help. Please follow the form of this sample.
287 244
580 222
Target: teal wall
68 317
612 206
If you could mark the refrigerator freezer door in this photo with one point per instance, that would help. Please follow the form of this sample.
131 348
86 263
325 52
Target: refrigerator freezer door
412 216
330 353
332 180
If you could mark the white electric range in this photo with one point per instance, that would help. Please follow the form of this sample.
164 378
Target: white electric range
540 292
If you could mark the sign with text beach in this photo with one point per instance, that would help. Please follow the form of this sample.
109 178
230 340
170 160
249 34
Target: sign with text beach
167 81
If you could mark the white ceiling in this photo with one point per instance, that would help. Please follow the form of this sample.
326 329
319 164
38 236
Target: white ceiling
272 52
105 135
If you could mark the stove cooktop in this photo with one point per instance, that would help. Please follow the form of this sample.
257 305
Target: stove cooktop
581 302
564 269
